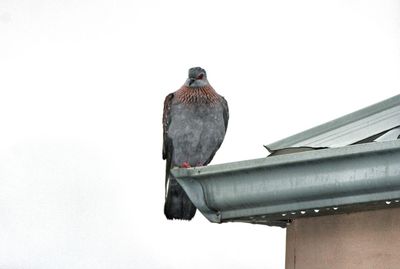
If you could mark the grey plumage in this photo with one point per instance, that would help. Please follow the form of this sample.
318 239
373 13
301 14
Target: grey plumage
195 121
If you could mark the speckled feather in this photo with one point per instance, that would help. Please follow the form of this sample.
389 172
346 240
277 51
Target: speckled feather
189 96
200 95
191 105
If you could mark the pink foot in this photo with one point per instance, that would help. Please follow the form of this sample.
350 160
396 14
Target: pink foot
185 165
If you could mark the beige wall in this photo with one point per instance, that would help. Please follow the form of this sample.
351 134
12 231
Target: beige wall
368 239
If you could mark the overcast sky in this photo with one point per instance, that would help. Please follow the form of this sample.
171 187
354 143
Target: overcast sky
82 85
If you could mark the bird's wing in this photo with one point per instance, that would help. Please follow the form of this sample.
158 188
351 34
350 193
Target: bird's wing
225 111
166 121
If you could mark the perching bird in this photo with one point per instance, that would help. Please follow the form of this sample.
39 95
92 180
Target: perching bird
194 124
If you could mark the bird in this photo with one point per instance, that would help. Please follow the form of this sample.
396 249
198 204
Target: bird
195 120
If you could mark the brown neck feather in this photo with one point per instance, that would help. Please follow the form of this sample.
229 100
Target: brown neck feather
203 95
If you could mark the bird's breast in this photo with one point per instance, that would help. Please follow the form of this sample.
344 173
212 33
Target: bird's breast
196 132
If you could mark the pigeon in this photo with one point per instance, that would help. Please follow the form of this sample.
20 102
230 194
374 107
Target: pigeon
195 120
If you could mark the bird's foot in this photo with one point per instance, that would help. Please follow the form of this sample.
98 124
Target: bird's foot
185 165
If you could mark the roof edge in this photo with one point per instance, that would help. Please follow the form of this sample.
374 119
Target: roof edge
347 129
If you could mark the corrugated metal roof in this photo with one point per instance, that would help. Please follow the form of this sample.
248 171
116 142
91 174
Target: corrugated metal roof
347 130
276 189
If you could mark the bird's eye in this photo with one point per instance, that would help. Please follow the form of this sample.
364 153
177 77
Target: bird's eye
200 76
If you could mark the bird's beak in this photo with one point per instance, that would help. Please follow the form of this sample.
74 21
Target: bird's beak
191 80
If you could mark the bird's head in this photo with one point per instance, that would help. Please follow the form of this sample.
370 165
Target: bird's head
197 78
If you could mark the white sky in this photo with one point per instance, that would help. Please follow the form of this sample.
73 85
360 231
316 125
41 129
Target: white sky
82 85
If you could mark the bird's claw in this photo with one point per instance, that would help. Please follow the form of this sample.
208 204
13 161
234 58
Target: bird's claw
185 165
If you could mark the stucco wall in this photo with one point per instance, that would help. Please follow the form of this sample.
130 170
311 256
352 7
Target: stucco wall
364 240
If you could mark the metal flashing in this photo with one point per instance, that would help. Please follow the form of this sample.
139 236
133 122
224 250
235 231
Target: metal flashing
347 130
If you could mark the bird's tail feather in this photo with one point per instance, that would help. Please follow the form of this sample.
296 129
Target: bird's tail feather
177 203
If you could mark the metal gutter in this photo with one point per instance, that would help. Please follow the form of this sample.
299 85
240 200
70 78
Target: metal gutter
348 129
275 190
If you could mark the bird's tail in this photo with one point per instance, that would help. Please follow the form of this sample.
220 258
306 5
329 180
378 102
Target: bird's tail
177 203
